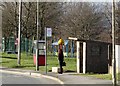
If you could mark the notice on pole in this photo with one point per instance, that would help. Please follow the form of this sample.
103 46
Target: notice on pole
49 32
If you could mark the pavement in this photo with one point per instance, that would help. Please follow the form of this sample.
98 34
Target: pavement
65 78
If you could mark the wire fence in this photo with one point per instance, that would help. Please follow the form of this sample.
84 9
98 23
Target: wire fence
10 44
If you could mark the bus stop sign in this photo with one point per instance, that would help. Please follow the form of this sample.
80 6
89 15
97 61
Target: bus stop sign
49 32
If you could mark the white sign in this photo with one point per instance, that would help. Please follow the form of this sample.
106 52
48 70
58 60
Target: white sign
49 32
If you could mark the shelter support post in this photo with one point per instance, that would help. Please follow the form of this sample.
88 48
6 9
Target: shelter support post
78 57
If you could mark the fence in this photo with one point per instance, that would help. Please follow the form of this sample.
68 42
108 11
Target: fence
8 44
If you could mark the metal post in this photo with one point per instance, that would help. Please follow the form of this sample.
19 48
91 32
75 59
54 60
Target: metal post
37 67
78 57
19 32
2 41
113 45
72 46
46 49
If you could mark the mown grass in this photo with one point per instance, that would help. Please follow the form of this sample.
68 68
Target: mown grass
118 76
10 61
101 76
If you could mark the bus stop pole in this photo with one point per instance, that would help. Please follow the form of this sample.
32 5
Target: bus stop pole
19 33
46 49
113 45
37 67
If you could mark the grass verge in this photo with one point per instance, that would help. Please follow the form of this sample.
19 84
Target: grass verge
10 61
101 76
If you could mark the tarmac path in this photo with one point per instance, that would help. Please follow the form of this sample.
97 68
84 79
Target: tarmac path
8 78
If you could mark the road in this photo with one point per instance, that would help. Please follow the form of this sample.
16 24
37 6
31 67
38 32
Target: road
8 78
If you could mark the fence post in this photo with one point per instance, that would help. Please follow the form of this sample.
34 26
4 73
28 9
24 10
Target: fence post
3 44
26 45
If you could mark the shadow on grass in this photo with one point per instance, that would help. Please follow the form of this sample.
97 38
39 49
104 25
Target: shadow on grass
5 62
22 66
67 71
9 57
18 67
49 70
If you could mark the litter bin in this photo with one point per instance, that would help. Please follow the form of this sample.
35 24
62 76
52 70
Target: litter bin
41 52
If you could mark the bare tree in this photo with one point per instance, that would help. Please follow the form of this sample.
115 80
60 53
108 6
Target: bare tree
118 23
108 15
82 20
49 17
10 19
